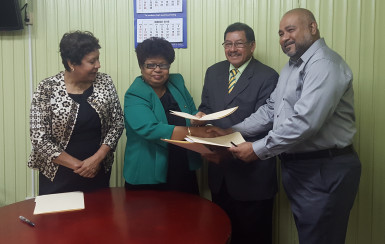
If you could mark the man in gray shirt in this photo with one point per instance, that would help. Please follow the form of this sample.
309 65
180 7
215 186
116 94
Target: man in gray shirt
311 120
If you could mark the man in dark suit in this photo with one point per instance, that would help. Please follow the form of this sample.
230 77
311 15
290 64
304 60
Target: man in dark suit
244 190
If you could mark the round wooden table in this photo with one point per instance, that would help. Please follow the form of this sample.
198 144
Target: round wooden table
116 215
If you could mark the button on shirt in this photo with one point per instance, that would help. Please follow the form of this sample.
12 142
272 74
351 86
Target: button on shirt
311 108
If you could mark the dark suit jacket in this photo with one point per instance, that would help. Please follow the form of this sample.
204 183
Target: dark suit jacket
245 181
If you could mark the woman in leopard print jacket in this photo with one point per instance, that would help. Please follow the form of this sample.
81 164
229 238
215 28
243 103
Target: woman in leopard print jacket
76 121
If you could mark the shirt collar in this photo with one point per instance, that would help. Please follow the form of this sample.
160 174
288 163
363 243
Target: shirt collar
309 52
242 67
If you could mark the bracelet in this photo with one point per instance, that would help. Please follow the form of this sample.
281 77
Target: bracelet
189 131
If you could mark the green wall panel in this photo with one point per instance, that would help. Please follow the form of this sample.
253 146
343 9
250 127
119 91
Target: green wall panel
354 28
378 205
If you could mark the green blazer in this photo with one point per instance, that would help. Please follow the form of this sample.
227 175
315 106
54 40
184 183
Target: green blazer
146 156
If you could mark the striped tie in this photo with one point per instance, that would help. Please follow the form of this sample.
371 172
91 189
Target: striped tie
232 80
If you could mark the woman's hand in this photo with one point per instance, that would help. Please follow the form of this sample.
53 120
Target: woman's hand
68 161
90 167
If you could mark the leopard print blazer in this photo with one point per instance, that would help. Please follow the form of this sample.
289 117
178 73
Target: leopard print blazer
53 116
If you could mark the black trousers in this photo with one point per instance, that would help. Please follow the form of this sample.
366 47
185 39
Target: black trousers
321 193
251 221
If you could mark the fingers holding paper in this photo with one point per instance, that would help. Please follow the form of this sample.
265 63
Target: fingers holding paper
200 114
244 152
195 122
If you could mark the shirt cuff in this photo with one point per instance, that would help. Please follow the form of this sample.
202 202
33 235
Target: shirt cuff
261 151
238 127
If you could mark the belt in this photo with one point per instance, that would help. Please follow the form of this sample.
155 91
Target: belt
333 152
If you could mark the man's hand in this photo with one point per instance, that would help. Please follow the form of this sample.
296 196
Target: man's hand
198 122
244 152
218 131
220 155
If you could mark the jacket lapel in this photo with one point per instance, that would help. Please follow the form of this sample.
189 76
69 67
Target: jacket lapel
242 83
223 82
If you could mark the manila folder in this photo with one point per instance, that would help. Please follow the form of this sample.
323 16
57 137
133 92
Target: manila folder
59 202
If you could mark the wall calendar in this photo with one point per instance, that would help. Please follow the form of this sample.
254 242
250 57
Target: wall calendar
161 18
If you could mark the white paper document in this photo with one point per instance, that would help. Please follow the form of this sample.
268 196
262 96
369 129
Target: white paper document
213 116
196 147
221 141
59 202
202 145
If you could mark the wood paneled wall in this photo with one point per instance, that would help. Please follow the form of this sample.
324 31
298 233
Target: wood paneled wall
354 28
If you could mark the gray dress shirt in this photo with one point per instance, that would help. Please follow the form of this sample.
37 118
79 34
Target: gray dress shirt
311 108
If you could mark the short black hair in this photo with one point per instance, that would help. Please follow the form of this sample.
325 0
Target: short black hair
154 47
238 26
75 45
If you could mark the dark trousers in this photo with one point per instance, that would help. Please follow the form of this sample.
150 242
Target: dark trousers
321 192
251 221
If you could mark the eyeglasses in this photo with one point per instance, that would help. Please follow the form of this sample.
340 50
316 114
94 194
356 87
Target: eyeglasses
228 45
153 66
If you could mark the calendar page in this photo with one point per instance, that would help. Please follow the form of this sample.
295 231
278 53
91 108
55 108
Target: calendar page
159 6
161 18
169 29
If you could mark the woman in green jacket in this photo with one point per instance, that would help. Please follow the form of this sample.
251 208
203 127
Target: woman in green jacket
150 163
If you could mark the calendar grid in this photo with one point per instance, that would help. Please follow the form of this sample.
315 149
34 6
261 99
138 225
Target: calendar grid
161 18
